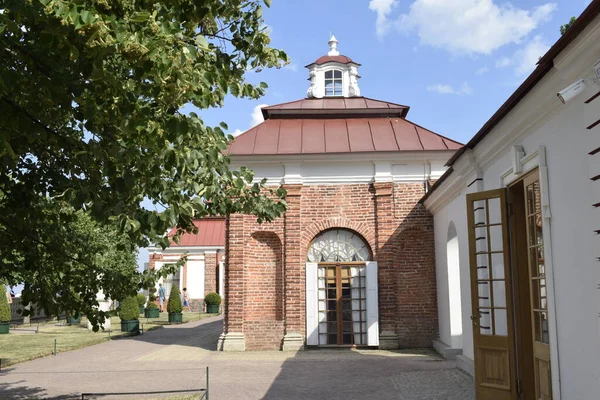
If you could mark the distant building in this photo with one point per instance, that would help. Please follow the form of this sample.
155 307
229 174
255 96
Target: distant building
203 271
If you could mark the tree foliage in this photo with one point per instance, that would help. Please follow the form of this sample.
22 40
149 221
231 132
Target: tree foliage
174 303
91 93
91 98
563 28
65 258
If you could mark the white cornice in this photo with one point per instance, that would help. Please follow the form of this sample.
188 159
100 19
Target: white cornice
391 156
185 249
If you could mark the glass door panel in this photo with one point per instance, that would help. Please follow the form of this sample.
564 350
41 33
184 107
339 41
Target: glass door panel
343 312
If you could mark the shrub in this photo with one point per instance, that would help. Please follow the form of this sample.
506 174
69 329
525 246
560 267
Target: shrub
151 305
151 296
129 309
174 304
212 299
4 307
141 299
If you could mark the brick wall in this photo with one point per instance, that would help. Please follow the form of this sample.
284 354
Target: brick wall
388 216
210 272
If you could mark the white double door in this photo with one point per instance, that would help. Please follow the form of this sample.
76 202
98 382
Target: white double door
342 304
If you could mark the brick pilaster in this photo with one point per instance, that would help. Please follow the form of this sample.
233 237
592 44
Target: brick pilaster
384 229
294 264
234 274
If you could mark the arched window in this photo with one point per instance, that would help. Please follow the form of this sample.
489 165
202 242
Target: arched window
338 245
333 83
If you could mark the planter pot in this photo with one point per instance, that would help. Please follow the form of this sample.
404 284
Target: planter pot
73 320
212 308
130 326
4 327
141 309
175 317
151 312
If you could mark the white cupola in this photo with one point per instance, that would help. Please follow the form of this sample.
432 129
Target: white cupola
333 75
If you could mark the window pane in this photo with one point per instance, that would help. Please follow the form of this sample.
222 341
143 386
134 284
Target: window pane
337 74
329 74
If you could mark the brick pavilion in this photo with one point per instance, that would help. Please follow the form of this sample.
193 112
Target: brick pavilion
351 263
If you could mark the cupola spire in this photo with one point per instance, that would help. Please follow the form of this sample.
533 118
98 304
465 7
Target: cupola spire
333 75
333 47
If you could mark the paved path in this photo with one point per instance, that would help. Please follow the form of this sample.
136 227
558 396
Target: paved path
174 358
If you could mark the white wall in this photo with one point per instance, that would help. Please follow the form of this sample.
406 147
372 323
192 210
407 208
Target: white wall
195 279
562 131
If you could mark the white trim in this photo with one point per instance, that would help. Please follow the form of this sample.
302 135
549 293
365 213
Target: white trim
531 161
312 305
372 304
185 249
547 231
222 279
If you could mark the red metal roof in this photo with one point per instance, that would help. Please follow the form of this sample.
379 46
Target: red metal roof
336 105
339 59
338 135
211 232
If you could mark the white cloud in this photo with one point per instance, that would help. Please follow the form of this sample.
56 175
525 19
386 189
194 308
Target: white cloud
256 118
504 62
482 70
464 89
525 59
292 67
383 8
466 26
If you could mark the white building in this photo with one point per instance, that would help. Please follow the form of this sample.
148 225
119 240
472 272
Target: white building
517 223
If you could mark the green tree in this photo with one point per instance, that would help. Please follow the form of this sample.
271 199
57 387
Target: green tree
65 258
91 97
563 28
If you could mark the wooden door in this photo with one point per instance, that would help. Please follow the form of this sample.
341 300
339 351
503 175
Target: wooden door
537 288
491 296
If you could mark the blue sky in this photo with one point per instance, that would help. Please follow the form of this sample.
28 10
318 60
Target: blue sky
454 62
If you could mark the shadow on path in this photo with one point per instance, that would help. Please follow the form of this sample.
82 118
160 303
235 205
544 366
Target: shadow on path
19 391
204 334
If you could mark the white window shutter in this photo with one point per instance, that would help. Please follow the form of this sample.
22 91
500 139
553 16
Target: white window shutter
372 305
312 304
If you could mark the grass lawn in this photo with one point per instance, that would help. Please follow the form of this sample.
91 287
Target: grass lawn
22 344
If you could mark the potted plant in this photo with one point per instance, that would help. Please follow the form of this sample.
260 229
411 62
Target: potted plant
174 306
4 311
151 310
141 299
74 319
212 301
129 314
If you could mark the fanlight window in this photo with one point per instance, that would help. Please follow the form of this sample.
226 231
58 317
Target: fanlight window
333 83
338 245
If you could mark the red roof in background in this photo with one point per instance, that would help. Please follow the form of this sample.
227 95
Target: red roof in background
211 232
339 59
338 135
336 105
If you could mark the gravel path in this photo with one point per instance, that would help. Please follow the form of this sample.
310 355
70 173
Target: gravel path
175 358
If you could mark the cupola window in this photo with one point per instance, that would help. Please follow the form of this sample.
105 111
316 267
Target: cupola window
333 83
